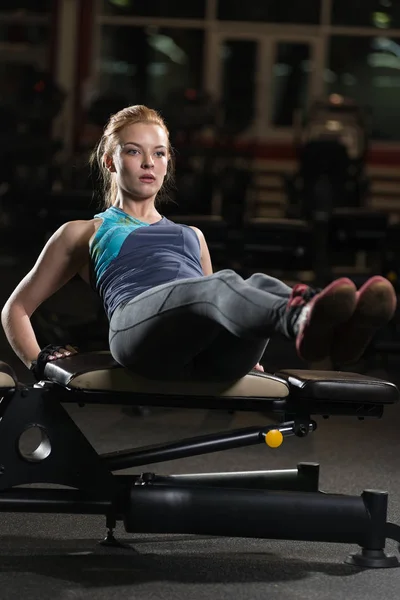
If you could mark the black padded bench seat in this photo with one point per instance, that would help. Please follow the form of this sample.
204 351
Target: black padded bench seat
339 386
97 371
96 377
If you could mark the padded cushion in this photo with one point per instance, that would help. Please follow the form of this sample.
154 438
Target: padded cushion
97 371
339 386
8 379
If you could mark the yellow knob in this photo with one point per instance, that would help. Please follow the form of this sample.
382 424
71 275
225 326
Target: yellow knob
274 438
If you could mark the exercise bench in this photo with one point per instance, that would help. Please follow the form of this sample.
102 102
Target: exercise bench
280 504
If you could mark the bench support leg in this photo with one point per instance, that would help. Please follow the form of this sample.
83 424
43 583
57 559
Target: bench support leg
63 455
372 554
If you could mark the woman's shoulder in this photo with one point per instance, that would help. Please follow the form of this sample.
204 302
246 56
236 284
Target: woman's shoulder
78 232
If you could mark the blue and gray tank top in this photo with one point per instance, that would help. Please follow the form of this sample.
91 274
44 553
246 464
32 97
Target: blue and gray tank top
129 256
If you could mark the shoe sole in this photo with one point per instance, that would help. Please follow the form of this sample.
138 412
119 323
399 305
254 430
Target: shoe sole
331 308
376 305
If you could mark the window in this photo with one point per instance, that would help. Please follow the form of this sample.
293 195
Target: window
381 14
367 69
275 11
148 65
238 83
290 79
179 9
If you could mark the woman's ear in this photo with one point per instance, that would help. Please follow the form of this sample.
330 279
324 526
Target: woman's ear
109 163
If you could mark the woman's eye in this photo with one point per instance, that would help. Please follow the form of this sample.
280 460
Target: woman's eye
160 153
133 151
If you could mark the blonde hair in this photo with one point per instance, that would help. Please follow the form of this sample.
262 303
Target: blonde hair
109 141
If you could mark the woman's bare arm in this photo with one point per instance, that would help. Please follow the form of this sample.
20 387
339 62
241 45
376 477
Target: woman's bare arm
204 253
63 256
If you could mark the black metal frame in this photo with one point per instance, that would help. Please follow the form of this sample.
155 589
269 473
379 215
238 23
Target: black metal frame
290 406
284 504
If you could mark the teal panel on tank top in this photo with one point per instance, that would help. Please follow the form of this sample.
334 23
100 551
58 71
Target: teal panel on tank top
129 257
110 236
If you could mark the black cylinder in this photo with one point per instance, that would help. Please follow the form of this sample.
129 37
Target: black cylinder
199 510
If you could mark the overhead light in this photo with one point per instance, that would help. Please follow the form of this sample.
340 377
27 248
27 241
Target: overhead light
121 3
381 20
334 125
336 99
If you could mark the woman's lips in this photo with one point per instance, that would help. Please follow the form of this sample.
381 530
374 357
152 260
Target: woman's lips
147 179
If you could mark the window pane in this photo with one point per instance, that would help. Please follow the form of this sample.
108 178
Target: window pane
367 69
290 81
238 83
28 6
275 11
179 9
366 13
143 65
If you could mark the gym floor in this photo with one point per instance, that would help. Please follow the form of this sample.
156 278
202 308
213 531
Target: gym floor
58 556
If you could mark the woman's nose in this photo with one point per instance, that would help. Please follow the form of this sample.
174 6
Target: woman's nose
147 162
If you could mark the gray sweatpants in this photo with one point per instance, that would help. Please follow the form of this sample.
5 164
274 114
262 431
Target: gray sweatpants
215 327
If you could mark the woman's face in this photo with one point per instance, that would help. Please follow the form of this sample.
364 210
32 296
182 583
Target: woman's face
140 160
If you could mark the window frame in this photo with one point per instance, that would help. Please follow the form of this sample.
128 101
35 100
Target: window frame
215 29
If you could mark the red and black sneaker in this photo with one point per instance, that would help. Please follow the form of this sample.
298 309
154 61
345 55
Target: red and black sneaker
319 315
376 305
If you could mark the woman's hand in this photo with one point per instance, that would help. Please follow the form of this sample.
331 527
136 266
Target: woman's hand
62 352
49 353
258 367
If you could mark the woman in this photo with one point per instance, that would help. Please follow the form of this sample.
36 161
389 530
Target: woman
169 315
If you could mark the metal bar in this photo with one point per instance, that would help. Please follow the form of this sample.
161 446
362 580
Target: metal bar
231 512
41 500
305 478
205 444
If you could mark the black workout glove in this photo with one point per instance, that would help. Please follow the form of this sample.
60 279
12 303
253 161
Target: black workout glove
37 367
